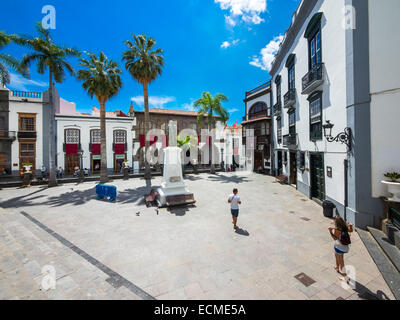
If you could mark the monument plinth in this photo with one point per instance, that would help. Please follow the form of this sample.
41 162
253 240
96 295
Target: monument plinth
173 190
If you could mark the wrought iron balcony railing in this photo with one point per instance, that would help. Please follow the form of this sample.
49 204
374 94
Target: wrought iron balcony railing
8 135
313 79
278 108
290 140
289 99
259 88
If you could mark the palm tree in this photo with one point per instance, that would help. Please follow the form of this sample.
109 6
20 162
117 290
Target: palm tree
101 78
144 63
48 56
209 105
8 60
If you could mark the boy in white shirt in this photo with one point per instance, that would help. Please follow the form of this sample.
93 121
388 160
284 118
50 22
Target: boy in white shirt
234 200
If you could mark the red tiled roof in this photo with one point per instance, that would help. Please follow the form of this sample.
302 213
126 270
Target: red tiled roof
174 112
255 120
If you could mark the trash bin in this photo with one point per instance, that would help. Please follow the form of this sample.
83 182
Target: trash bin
328 207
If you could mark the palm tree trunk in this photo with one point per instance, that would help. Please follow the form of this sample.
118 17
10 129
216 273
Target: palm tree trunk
103 141
52 138
212 167
147 172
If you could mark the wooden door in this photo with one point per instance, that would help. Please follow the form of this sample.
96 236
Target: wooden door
257 160
293 168
317 176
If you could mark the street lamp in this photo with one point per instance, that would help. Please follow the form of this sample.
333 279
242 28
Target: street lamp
343 137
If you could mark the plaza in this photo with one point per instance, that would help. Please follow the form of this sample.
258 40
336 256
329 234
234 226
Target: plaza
125 250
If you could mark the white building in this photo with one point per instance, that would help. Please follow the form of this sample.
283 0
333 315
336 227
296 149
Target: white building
330 68
27 127
258 119
78 140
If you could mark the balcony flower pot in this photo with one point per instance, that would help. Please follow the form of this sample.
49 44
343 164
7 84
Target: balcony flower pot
393 189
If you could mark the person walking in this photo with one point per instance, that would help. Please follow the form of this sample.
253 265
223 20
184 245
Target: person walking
340 233
234 201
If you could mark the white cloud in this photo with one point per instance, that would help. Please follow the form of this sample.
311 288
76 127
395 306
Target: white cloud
154 101
18 82
189 106
233 110
227 44
248 10
267 54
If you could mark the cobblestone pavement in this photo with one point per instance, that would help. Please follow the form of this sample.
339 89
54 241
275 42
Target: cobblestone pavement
123 250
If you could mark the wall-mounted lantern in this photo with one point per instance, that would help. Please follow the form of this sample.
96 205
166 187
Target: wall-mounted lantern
343 137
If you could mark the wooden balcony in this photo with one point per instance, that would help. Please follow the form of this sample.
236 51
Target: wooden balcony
27 134
313 79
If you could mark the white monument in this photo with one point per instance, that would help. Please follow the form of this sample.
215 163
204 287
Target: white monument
173 190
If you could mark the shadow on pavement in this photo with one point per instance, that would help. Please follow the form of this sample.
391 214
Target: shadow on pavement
228 179
366 294
242 232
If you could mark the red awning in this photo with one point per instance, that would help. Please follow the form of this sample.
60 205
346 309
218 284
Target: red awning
119 148
96 148
153 140
71 148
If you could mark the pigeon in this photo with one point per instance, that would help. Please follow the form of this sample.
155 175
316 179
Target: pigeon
156 211
138 213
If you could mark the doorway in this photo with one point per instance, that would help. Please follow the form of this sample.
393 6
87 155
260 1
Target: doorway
279 163
258 158
118 161
96 164
71 163
293 168
317 176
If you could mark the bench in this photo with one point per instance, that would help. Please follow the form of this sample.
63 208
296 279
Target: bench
106 191
281 178
182 199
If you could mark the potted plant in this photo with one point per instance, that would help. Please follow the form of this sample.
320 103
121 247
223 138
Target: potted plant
393 185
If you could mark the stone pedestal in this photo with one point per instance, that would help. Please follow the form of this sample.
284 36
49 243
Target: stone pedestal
173 190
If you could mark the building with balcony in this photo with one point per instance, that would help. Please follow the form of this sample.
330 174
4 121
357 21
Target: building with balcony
24 131
258 121
336 66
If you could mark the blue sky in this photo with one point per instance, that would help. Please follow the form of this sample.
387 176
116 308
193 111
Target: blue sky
221 46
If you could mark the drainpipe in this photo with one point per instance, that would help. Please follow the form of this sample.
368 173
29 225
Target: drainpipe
346 167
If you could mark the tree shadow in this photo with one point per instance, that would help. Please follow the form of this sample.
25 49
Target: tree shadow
179 211
228 179
242 232
77 197
192 177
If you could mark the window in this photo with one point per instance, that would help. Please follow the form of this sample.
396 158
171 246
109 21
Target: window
291 73
120 136
72 136
315 50
259 109
278 92
301 160
95 136
279 129
316 116
27 123
292 122
313 34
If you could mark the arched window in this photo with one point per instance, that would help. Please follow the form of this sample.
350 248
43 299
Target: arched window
258 110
